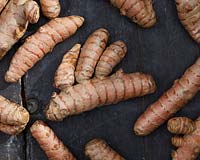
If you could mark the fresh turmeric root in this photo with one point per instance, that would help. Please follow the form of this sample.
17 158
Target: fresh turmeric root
12 129
177 141
90 54
139 11
64 76
41 43
110 58
98 149
14 21
3 4
181 125
49 142
98 92
188 12
183 90
189 144
13 117
50 8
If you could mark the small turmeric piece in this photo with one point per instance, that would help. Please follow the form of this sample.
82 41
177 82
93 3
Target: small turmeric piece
139 11
50 8
177 141
14 21
12 113
98 149
41 43
12 129
90 54
13 117
183 90
49 142
110 58
98 92
181 125
188 13
64 76
189 144
3 4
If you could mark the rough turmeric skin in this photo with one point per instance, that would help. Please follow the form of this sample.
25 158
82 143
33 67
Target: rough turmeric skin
90 54
14 21
189 144
177 141
3 4
12 129
49 142
183 90
64 76
41 43
13 117
110 58
12 113
188 12
50 8
98 149
181 125
98 92
139 11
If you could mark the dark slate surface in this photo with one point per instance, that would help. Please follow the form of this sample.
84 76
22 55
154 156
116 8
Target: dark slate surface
164 51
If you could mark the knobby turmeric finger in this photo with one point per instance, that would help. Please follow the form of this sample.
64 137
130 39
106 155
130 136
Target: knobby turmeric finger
90 54
13 117
49 142
188 12
98 92
98 149
3 4
12 113
14 21
189 144
181 125
64 76
183 90
177 141
50 8
139 11
41 43
12 129
110 58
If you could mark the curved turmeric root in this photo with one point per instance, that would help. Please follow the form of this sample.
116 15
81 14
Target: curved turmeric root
188 12
64 76
189 145
110 58
3 4
41 43
98 92
50 8
139 11
14 21
90 54
13 117
183 90
49 142
98 149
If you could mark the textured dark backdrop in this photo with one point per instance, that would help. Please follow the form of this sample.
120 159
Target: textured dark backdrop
164 51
